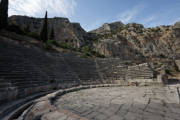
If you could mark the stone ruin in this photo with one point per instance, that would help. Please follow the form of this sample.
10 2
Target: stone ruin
27 71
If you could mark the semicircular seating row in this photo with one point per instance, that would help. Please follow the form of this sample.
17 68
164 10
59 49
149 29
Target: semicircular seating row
26 70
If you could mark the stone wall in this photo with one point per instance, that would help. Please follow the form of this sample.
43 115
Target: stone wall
26 70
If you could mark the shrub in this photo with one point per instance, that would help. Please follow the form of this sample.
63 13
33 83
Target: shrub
48 46
27 29
63 45
33 35
15 28
176 67
86 49
169 72
68 45
162 56
96 54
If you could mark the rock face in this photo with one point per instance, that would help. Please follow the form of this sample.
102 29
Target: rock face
65 31
26 69
159 41
109 27
177 24
159 45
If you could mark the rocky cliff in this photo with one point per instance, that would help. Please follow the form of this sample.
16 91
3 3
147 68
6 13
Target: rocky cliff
159 41
64 30
158 46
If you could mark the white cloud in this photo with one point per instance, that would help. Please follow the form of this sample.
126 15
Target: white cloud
65 8
95 24
174 21
148 19
131 14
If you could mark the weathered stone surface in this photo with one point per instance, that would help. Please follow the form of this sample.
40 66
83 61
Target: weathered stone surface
178 64
26 69
158 45
146 41
131 103
64 30
177 25
109 27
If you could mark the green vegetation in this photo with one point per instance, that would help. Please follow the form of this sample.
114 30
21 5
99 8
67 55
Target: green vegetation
44 31
63 45
33 35
52 36
15 28
162 56
88 52
169 72
4 13
176 67
27 29
172 69
18 30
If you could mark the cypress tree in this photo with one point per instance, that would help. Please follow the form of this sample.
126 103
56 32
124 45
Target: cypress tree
3 13
44 31
52 34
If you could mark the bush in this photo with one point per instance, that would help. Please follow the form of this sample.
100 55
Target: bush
33 35
169 72
26 31
15 28
162 56
68 45
48 46
96 54
63 45
86 49
176 67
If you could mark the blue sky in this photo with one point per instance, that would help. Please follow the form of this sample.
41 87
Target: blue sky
91 14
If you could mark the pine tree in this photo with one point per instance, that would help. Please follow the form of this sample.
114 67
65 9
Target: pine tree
3 13
27 29
44 31
52 34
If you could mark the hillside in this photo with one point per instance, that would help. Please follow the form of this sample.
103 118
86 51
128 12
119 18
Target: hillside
159 46
64 31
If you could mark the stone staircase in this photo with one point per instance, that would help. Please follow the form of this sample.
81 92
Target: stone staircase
27 70
84 68
140 73
69 77
113 70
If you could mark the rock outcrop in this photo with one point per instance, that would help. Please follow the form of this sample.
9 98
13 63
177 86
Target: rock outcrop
26 70
159 41
109 27
158 46
64 30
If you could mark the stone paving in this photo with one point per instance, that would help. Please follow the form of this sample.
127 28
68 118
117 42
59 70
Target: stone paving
119 103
